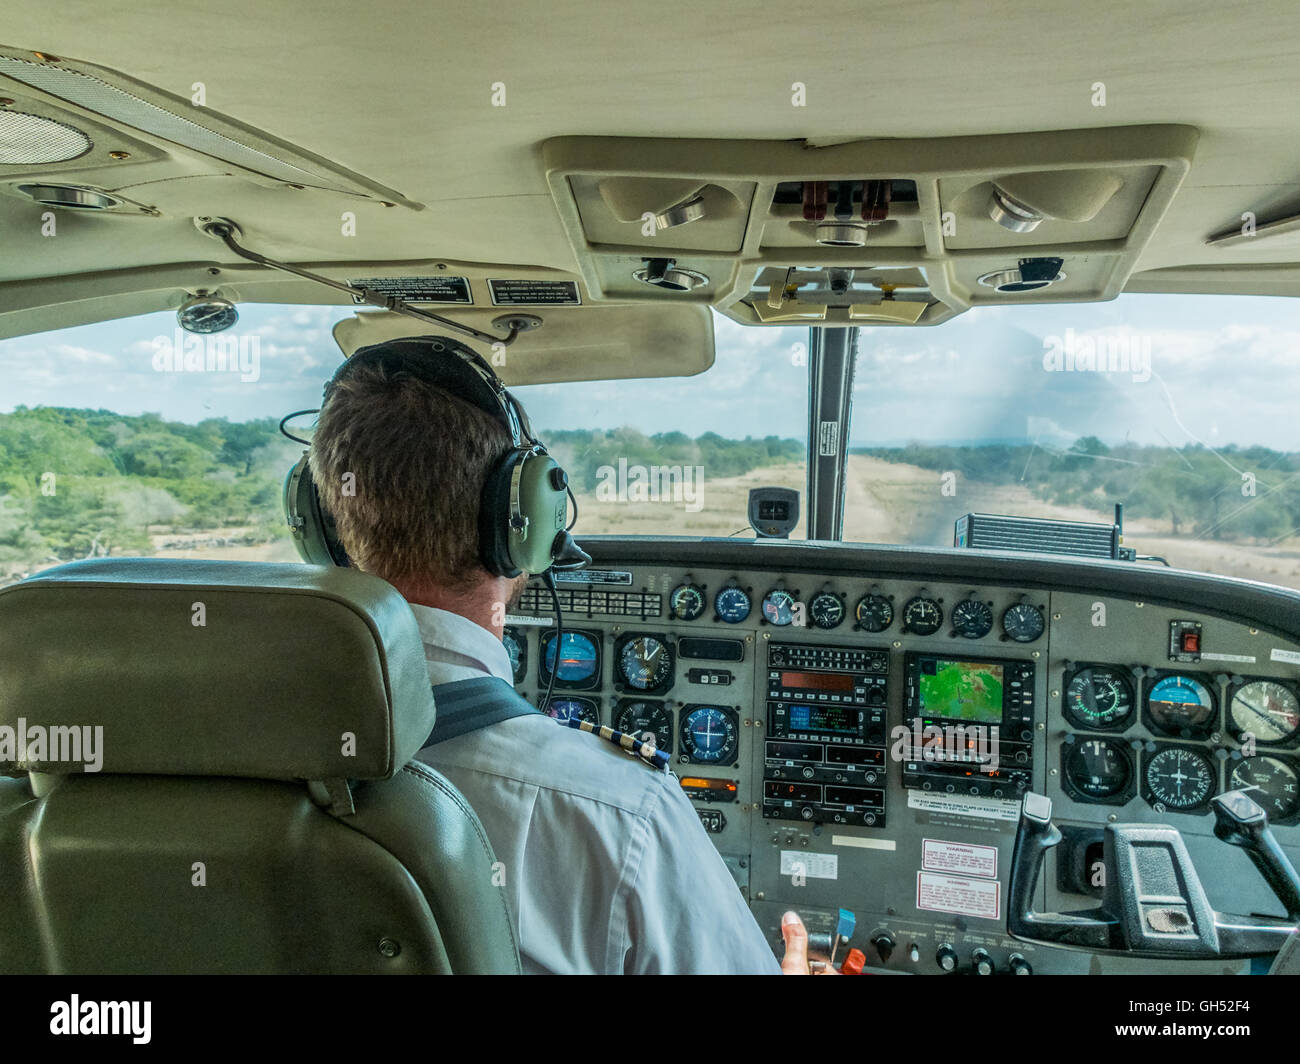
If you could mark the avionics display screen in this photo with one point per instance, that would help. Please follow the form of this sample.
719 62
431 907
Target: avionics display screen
816 681
826 719
961 690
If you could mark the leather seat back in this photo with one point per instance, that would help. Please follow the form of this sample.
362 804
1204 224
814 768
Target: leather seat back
213 773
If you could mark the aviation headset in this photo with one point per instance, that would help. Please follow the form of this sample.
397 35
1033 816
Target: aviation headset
524 501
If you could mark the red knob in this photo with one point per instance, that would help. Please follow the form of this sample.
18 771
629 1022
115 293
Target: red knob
853 963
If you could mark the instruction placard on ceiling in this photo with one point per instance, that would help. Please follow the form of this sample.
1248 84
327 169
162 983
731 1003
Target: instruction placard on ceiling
416 289
533 293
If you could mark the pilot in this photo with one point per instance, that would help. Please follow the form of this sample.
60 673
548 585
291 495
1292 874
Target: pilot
606 866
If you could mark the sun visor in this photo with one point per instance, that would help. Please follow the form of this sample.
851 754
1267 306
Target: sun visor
571 344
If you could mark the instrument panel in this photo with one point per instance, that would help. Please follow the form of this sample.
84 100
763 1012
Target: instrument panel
856 735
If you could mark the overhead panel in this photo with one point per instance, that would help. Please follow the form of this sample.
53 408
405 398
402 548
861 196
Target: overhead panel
884 232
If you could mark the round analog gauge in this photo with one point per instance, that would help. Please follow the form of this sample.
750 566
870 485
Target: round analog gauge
646 721
517 647
826 609
1097 770
875 613
778 607
1271 782
566 709
732 604
972 619
1023 622
207 314
1266 710
1178 777
710 735
645 662
686 601
579 661
922 616
1180 704
1099 697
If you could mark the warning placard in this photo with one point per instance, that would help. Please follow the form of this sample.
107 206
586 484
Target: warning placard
939 856
964 895
533 293
416 289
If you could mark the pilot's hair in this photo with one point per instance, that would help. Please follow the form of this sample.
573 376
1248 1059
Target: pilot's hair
419 458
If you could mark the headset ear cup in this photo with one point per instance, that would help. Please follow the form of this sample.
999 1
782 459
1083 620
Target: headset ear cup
315 536
494 517
529 479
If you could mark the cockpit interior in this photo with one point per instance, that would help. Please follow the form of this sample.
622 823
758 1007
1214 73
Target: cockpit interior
924 376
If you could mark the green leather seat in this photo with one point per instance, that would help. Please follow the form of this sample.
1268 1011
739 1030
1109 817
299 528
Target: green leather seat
254 808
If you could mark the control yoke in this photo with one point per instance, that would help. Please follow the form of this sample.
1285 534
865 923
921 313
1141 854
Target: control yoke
1153 904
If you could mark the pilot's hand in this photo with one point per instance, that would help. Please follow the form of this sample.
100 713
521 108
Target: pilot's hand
795 961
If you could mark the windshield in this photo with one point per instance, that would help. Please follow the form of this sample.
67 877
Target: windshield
1178 408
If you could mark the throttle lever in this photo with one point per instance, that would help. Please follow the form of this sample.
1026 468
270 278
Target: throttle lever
1240 821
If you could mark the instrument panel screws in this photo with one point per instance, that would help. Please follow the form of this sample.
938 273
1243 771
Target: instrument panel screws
389 948
119 155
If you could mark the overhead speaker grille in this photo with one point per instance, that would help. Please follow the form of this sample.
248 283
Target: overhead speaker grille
112 102
27 140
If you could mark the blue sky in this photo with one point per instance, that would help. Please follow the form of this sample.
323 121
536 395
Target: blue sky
1222 370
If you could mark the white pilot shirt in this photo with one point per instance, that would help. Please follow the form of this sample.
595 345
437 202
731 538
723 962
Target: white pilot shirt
607 867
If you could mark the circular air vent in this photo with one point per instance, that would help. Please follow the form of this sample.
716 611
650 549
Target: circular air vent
1012 281
27 140
82 199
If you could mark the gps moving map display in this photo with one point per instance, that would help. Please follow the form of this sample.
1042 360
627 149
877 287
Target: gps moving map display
961 690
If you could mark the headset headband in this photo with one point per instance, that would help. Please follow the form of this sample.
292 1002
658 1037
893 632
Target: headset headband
465 375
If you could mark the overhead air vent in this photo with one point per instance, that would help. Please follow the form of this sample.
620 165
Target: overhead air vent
1029 276
73 196
30 140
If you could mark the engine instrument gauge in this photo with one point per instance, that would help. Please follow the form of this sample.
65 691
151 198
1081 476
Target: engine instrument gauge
732 604
516 645
1178 704
922 616
646 720
1097 770
778 607
1099 696
1265 709
565 709
972 619
644 662
1178 777
710 735
1270 781
687 602
1023 622
579 666
826 610
874 613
